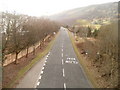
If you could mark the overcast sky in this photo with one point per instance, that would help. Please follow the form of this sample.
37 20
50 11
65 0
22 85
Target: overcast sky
45 7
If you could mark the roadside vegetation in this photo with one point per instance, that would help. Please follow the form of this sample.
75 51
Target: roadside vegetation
99 52
20 32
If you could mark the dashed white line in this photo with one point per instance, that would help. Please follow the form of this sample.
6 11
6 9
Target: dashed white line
62 50
41 72
63 73
62 62
39 77
62 54
42 68
44 64
38 83
64 86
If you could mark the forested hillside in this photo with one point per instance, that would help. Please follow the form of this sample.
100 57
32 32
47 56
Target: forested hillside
108 10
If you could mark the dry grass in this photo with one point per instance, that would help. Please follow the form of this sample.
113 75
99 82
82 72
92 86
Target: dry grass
97 70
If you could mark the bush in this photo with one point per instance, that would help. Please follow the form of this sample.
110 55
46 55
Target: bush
108 48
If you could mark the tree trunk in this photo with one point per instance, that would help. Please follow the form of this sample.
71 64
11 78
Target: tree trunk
3 58
39 45
33 49
16 58
27 52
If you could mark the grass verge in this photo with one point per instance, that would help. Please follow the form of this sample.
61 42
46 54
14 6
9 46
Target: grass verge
31 64
86 70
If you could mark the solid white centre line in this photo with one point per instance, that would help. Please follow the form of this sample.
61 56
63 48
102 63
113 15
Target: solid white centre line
63 73
38 83
64 86
62 62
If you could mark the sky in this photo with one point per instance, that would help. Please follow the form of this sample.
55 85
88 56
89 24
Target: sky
45 7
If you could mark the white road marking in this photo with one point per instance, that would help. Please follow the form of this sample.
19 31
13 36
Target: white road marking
63 73
65 86
38 83
71 58
66 61
40 77
62 62
49 54
42 68
62 54
74 62
70 61
44 64
41 72
62 50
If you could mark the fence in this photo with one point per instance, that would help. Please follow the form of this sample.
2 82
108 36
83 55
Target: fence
11 57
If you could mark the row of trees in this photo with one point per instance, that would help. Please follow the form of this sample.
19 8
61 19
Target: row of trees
85 31
21 31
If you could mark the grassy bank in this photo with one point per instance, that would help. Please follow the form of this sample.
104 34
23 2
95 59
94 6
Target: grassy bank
26 68
85 68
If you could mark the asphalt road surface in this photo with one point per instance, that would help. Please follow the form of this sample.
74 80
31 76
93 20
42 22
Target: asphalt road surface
61 68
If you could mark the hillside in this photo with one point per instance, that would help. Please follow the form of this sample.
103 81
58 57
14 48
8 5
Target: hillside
108 10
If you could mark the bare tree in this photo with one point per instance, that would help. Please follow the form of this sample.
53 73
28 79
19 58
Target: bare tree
22 31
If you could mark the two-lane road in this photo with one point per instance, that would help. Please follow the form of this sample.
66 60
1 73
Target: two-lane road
61 68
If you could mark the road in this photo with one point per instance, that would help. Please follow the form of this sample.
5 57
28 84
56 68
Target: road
61 68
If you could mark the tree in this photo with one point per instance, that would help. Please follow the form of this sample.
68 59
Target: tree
22 31
89 32
17 35
6 32
95 33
